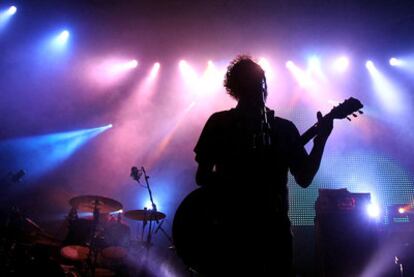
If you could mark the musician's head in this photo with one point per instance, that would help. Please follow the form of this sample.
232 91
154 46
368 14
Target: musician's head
245 79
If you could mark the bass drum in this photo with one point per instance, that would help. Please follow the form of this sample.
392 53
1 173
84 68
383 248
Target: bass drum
117 238
75 246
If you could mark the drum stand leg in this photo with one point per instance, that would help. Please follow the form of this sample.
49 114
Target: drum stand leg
93 249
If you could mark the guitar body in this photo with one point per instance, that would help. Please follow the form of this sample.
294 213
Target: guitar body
196 230
212 232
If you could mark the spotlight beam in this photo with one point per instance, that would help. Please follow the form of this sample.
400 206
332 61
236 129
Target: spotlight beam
387 92
43 153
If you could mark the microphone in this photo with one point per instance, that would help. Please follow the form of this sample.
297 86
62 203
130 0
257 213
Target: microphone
135 173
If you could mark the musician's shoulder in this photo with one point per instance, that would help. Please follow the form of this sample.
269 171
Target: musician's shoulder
223 115
284 123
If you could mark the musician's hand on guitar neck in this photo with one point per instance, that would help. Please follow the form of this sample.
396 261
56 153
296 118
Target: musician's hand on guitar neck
325 126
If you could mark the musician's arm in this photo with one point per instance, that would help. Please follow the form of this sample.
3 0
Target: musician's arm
306 166
305 175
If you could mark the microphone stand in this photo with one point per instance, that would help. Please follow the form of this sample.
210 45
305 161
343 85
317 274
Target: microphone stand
152 212
265 139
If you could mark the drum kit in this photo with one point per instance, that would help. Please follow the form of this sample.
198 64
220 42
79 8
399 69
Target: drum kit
104 239
95 245
94 240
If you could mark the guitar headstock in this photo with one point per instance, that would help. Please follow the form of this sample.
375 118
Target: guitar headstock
349 107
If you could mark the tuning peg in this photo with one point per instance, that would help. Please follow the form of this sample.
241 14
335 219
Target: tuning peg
354 115
360 112
348 118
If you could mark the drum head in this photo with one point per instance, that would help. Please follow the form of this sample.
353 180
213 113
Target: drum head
75 252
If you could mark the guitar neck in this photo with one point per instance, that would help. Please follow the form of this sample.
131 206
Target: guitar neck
311 132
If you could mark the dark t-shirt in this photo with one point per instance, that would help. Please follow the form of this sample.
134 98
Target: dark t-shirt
249 174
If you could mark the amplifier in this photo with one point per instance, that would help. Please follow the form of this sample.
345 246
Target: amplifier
341 200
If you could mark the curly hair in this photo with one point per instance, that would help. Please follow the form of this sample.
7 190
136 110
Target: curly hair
244 73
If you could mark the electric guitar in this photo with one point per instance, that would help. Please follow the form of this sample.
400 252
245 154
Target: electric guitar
196 230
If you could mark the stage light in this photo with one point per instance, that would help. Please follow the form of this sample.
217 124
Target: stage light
210 81
314 63
40 154
62 38
6 15
12 10
129 65
148 205
401 210
265 65
301 77
373 210
387 92
116 68
396 62
110 71
187 71
154 70
315 68
370 65
182 64
341 64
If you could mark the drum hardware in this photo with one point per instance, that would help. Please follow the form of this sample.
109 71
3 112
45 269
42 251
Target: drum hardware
88 239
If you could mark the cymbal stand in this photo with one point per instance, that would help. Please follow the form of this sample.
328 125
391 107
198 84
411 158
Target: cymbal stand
144 224
160 228
93 249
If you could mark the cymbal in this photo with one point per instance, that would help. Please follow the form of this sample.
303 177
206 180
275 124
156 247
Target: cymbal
144 215
47 241
87 203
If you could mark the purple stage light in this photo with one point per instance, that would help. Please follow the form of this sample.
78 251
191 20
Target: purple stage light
341 64
155 69
388 92
120 67
187 71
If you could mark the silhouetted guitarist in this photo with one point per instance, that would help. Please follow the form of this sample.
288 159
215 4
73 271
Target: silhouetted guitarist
244 155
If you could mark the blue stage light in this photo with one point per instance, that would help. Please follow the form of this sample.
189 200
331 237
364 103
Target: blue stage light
62 38
12 10
6 15
40 154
